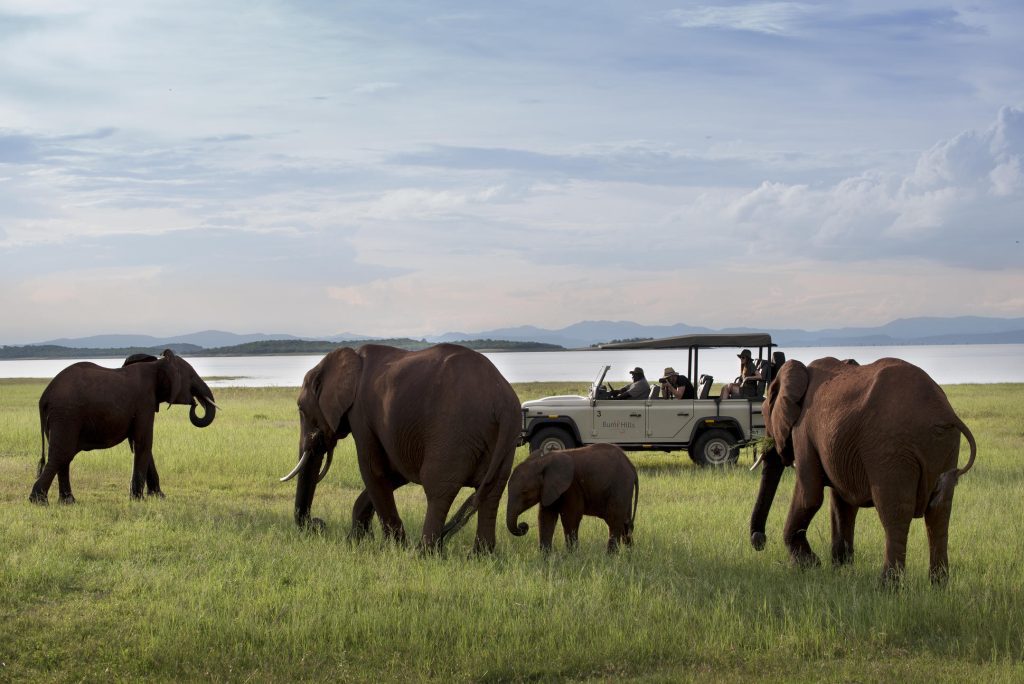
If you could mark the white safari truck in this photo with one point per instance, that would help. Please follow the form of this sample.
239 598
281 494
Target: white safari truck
710 429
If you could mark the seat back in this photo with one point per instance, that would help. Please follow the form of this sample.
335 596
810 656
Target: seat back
705 382
656 392
764 368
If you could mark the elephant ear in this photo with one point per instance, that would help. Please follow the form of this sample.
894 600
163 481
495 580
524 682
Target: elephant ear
168 379
557 477
329 389
784 402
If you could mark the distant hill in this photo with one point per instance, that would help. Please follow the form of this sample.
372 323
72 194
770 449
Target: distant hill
959 330
261 348
904 331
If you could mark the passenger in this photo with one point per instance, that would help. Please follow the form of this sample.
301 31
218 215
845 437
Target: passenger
638 389
676 386
778 358
746 384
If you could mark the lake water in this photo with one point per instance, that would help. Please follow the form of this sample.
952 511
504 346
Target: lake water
947 364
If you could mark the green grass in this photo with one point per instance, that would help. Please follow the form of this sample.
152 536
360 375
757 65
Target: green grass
216 583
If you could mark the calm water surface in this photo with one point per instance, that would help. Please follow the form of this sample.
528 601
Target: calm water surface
947 364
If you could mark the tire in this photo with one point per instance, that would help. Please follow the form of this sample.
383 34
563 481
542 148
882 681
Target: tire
551 438
715 449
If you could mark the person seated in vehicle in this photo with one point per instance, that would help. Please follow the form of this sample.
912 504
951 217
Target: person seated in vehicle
638 389
745 386
676 386
778 358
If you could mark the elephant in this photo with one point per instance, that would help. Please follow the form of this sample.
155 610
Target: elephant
88 407
597 480
881 435
442 417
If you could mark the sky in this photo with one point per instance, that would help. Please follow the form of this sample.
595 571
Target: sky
410 168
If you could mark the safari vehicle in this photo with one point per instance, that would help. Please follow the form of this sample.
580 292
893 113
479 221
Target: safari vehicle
711 429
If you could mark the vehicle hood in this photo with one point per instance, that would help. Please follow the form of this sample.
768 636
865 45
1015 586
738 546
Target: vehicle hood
551 402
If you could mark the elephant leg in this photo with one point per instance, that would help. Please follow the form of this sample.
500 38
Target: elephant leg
487 517
143 459
382 495
895 515
936 520
362 517
547 518
844 519
153 480
806 502
64 484
58 458
439 502
571 520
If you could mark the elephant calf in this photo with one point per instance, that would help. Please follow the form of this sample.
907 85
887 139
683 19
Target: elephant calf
596 480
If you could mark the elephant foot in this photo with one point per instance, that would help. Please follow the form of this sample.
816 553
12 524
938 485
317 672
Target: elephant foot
939 577
891 578
359 532
67 499
483 546
806 559
156 495
314 525
39 498
758 540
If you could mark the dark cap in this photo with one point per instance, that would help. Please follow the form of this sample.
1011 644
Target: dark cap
745 353
637 371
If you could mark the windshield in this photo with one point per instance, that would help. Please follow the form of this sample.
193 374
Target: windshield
598 381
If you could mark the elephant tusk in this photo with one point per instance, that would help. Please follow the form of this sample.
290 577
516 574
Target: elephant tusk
327 466
298 467
757 461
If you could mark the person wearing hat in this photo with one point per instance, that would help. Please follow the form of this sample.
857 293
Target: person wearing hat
676 386
745 385
638 389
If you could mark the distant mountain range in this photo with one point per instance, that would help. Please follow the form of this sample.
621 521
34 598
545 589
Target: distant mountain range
905 331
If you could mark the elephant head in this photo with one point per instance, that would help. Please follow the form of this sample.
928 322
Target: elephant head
781 409
541 478
328 392
178 383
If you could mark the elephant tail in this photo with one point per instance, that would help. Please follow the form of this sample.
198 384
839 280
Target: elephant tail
42 441
636 500
974 447
501 458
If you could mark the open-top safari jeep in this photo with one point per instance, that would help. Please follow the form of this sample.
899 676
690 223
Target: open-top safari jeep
711 429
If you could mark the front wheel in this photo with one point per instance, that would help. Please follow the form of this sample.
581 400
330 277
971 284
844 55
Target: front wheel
551 439
715 449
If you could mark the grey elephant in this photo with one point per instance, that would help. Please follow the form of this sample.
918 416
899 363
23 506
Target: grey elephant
881 435
597 480
443 417
88 407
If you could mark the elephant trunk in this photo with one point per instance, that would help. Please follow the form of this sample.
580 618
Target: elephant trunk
770 477
512 520
209 410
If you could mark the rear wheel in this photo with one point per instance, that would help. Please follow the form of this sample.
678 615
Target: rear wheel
715 449
551 439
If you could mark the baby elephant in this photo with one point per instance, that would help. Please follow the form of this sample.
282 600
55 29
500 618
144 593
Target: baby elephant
593 480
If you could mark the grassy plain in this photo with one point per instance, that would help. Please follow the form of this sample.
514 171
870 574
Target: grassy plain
216 583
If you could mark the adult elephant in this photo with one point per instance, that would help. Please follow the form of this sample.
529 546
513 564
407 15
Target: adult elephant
443 417
88 407
881 435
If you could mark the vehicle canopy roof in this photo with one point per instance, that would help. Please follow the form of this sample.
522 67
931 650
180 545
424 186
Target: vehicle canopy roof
699 341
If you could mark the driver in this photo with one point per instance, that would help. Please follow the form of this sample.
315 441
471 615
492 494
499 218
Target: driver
638 389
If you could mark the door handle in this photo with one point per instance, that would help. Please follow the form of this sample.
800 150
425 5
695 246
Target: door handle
636 415
682 414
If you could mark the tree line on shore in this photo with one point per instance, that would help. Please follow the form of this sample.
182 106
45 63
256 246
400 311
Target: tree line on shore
263 348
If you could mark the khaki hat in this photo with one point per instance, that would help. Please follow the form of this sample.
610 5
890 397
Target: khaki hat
668 371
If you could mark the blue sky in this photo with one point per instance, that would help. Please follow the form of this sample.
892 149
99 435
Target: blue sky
409 168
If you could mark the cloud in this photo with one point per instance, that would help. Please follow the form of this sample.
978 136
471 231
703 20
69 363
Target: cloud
960 205
773 18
